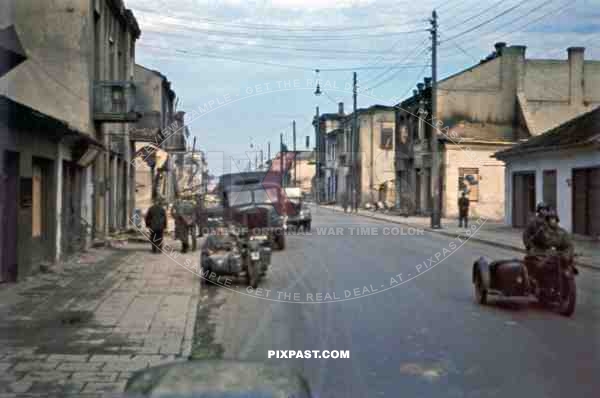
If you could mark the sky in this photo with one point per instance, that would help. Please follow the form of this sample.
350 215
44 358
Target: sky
253 63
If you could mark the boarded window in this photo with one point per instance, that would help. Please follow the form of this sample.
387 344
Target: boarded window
468 180
549 188
387 138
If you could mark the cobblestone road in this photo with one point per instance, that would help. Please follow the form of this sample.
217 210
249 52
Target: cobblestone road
83 329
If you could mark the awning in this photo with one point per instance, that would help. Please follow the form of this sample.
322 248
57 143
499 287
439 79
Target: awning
21 117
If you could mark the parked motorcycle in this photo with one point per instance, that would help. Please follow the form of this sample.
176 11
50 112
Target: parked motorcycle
551 279
237 254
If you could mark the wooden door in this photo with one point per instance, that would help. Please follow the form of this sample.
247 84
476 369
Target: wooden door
8 217
523 206
586 201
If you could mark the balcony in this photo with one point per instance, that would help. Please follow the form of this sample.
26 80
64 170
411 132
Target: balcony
114 102
147 128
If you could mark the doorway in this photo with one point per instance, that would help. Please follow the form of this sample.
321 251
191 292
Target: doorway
41 210
586 201
523 198
9 177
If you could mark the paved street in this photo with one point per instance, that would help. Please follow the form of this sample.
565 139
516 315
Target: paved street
85 328
424 338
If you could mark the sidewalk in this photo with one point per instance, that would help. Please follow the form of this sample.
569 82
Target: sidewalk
85 327
492 233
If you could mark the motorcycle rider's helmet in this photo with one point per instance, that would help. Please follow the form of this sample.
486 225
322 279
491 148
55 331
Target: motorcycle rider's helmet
542 208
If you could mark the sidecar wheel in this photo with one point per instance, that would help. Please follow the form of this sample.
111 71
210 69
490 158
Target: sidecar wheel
480 291
569 299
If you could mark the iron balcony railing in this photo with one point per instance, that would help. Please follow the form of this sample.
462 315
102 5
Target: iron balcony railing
114 101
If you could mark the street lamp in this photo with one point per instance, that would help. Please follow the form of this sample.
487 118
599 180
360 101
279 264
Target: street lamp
318 90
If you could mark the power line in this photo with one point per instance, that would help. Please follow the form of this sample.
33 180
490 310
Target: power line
274 26
528 23
411 54
290 66
263 52
477 15
394 75
288 37
488 20
299 49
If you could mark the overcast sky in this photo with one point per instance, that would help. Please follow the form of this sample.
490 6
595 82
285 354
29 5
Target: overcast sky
258 57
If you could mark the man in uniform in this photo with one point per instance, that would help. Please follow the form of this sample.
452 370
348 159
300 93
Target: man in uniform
156 221
535 225
463 210
548 238
200 218
183 214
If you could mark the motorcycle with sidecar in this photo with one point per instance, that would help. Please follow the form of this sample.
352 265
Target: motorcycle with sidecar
234 252
549 278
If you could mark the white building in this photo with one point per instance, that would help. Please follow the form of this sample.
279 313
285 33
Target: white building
560 167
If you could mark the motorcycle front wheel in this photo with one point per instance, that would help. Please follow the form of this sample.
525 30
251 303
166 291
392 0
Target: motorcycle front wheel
568 297
252 274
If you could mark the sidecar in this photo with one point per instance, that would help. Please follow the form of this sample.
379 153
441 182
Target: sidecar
507 278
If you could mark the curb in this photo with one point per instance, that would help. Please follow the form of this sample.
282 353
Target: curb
453 235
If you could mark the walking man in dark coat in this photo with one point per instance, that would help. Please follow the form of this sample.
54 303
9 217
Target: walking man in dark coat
463 210
156 221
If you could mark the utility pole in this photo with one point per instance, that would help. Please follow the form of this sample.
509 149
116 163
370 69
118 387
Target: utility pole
435 155
281 159
268 150
353 168
295 154
261 158
318 146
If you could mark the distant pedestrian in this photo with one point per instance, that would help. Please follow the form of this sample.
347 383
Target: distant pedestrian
463 210
345 201
200 218
183 213
156 221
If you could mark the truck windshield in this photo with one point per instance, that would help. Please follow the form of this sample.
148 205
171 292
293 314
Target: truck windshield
265 195
240 198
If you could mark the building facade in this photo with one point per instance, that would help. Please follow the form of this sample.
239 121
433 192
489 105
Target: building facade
489 107
328 127
161 161
561 168
64 146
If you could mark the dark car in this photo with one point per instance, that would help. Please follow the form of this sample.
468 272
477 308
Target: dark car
302 217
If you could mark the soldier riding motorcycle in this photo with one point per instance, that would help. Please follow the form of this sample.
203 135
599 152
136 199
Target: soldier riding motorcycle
547 271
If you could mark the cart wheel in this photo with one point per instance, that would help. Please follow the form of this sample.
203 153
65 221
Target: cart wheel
569 297
480 291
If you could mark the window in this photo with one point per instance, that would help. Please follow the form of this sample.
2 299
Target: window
468 180
387 138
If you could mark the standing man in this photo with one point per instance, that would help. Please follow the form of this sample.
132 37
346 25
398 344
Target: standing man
463 210
156 221
200 218
183 214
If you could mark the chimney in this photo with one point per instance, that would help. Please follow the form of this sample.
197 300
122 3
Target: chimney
499 47
576 75
420 87
427 82
340 108
415 93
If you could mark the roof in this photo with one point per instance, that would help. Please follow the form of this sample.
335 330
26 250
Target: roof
305 155
582 131
464 131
